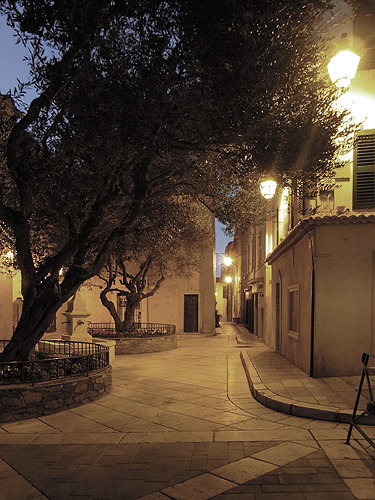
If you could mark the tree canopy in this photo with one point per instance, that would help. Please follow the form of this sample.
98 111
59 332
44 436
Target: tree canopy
139 100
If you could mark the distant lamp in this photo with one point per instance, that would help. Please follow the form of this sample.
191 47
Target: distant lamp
10 256
268 189
227 261
342 68
228 279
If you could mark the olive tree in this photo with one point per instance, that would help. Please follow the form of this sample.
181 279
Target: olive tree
140 100
168 244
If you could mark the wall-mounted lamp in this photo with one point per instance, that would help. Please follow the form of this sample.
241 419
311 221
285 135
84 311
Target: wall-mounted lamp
228 279
343 65
268 188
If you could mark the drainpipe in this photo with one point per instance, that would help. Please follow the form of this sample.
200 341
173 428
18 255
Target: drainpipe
312 322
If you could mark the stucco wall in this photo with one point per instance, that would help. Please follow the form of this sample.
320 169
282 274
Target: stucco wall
167 305
294 268
344 298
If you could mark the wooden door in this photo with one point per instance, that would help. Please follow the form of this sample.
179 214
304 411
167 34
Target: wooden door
190 313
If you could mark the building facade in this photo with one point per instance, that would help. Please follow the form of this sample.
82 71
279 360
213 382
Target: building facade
188 303
306 283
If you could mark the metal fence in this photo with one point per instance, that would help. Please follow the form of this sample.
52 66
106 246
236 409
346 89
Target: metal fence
108 330
55 359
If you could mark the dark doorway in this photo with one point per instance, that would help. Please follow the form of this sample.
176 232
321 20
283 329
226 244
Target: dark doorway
190 313
278 314
249 317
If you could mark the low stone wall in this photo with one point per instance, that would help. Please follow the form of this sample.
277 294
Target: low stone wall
19 402
141 345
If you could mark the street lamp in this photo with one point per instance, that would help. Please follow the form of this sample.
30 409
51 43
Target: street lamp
268 188
342 68
343 65
227 261
228 279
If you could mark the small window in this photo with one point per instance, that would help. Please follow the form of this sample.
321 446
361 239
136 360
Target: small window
293 311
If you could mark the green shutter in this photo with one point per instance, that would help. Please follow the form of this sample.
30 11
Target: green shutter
364 170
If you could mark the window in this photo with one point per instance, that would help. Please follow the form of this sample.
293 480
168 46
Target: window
364 170
121 306
253 252
293 311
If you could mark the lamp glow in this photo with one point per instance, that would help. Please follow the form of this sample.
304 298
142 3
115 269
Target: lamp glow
342 68
228 279
268 188
10 256
227 261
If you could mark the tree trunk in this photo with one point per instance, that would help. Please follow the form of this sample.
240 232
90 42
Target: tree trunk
37 314
31 327
128 323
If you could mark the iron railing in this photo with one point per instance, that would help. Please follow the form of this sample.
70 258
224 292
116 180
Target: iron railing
108 330
55 359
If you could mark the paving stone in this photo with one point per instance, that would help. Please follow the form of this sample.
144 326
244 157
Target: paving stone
336 488
128 489
215 463
152 486
244 470
342 495
283 453
100 465
363 488
279 496
17 488
309 478
200 488
198 462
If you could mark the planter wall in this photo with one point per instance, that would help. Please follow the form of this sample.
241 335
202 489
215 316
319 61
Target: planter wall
143 345
19 402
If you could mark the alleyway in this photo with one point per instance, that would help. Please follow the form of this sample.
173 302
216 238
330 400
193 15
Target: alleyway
182 425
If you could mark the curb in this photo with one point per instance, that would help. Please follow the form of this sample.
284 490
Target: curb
275 402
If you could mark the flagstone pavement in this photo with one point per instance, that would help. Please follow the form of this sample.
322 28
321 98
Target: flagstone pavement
184 425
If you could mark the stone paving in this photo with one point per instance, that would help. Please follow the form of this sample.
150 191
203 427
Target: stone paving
183 425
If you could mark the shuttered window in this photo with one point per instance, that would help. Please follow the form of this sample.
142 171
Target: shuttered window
364 170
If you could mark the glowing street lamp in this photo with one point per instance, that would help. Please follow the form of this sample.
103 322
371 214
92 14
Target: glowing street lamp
227 261
342 68
10 256
268 188
228 279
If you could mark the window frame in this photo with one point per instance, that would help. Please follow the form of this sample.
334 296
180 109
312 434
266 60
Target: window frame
294 324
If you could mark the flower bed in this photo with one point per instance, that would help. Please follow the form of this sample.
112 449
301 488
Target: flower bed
143 338
140 330
55 359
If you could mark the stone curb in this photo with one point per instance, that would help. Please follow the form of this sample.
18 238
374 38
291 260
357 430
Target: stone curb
279 403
